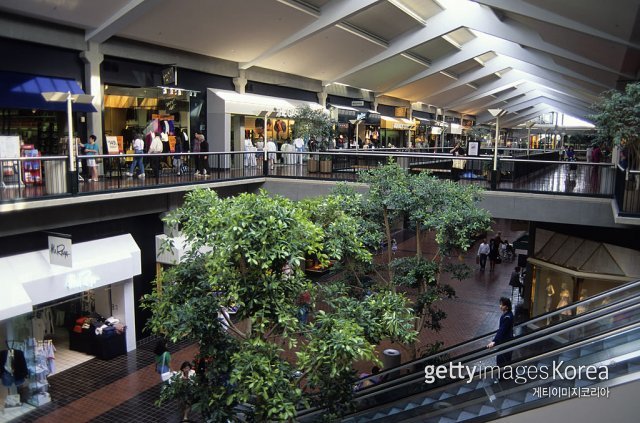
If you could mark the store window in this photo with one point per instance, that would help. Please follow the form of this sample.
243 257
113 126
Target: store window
129 111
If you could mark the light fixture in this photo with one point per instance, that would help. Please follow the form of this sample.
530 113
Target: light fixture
179 92
164 91
496 113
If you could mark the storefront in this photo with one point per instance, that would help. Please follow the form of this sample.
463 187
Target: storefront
233 118
397 131
78 309
356 124
566 269
130 111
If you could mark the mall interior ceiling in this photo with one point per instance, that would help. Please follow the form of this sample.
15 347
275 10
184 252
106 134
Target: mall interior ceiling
528 57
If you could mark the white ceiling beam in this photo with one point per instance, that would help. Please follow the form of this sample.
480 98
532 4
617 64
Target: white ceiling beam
473 48
520 7
481 18
494 65
538 93
516 77
438 25
564 107
124 17
331 14
534 112
502 62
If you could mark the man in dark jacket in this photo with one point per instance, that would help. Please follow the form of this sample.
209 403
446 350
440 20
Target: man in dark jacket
505 331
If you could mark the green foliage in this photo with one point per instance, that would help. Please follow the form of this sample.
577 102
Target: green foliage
448 209
445 209
246 252
617 116
313 123
381 314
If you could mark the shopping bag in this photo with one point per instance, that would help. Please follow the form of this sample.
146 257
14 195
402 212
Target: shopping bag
166 375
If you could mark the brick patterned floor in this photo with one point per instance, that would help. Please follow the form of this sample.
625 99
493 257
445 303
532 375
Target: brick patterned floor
125 388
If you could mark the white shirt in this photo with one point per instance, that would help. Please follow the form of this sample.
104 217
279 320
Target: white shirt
271 146
484 248
298 143
138 144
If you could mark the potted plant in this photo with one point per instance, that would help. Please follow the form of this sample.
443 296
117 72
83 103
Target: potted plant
316 127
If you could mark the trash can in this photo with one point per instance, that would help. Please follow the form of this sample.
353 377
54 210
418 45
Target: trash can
55 176
391 358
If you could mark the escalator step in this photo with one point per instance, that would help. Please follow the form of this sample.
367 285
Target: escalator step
508 403
465 415
446 420
464 389
410 406
394 410
530 397
444 396
427 400
485 409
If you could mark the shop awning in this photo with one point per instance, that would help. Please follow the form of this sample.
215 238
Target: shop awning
33 280
401 124
223 101
24 91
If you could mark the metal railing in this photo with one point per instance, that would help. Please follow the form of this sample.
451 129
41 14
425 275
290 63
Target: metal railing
538 173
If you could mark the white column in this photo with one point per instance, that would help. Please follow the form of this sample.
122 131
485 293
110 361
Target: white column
123 304
92 58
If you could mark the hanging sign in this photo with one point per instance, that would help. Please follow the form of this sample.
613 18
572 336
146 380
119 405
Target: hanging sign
357 103
60 246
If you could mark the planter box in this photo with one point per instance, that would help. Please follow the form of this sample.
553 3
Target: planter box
312 165
326 166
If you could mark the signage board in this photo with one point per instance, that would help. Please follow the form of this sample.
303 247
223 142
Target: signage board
473 148
357 103
112 145
60 248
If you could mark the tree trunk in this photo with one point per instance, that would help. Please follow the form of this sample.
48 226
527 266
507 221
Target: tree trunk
387 230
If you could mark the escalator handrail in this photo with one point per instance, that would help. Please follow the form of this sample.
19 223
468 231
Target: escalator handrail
555 352
588 317
518 343
545 317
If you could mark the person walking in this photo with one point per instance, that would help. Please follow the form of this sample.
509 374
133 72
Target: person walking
493 254
91 149
483 253
162 357
138 148
505 331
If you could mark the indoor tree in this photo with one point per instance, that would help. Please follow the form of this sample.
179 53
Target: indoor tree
443 211
245 255
617 119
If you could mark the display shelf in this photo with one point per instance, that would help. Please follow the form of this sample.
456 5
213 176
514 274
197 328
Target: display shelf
31 169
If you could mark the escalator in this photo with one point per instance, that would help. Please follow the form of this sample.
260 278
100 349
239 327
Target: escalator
555 357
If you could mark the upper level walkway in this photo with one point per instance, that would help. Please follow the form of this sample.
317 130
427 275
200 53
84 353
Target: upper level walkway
536 172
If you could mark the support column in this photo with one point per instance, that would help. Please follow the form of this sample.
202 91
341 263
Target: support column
240 82
92 58
322 97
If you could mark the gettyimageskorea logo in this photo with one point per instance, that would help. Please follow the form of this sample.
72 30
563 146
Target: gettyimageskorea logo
557 371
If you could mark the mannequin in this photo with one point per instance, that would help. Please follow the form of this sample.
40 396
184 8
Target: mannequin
583 296
564 300
550 293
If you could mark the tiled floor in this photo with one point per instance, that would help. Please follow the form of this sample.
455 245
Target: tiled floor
125 388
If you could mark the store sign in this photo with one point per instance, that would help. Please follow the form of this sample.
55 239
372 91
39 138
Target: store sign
373 118
60 246
357 103
112 145
401 112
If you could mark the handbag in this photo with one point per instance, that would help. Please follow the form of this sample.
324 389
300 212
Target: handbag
165 376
